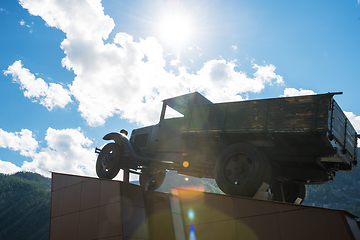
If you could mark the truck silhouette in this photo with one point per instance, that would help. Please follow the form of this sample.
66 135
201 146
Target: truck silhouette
287 142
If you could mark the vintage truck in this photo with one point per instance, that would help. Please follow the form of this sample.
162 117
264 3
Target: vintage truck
293 141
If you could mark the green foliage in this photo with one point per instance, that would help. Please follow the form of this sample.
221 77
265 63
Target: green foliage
42 181
341 193
24 206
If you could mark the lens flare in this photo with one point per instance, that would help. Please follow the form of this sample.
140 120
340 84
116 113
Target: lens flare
185 164
186 179
192 233
191 214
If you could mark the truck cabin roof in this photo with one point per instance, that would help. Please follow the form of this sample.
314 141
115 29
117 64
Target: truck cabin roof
183 102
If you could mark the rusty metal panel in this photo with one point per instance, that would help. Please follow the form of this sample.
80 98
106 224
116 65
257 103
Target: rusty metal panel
110 220
92 208
248 207
58 181
69 226
335 220
72 199
206 207
134 222
214 230
90 194
55 228
354 226
259 219
159 216
123 211
292 224
258 227
73 180
88 223
110 192
57 202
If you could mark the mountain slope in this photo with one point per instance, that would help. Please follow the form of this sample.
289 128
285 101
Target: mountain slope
24 206
341 193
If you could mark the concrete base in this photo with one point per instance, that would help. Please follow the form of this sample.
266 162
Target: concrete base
92 208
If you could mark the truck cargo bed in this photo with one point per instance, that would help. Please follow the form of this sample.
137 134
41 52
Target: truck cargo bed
300 127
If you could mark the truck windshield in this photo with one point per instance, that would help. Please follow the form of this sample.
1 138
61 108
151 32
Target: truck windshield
172 113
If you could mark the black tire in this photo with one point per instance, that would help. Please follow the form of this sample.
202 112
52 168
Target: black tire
292 191
241 169
153 179
109 161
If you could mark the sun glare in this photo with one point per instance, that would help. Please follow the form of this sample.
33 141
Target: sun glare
175 30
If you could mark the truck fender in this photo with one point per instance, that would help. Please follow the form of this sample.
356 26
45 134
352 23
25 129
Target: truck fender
124 141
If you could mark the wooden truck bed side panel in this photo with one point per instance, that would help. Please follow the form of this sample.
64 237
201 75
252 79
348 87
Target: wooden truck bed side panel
306 113
250 116
302 114
343 132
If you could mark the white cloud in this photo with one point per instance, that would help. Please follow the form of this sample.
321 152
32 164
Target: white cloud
267 74
355 120
112 79
8 167
234 47
220 82
81 18
49 95
290 92
22 141
68 151
175 62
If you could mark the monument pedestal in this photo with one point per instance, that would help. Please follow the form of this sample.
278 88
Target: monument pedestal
91 208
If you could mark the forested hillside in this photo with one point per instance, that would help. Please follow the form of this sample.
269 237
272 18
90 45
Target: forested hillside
341 193
24 206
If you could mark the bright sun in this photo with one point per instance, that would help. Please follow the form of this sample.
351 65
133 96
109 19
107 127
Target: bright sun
175 30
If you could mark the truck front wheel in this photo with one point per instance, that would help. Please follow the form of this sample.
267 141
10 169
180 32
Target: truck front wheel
241 169
109 161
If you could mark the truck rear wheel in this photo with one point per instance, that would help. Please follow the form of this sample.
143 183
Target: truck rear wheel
292 192
108 162
241 169
153 180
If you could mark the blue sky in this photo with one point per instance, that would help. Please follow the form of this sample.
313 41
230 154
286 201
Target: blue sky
72 71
